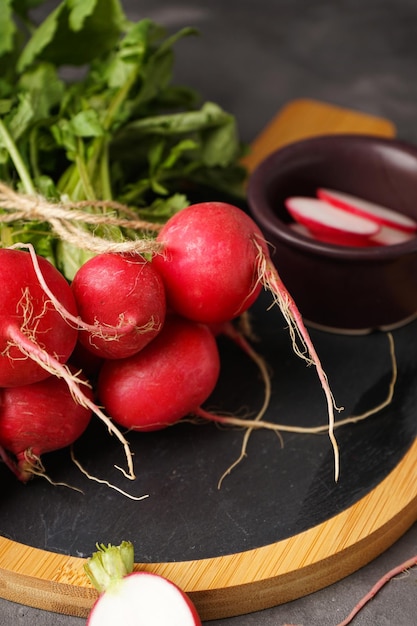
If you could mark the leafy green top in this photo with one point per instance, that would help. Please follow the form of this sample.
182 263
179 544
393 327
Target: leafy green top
88 111
109 564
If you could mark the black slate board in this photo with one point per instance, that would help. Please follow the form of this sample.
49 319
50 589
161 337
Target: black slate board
275 493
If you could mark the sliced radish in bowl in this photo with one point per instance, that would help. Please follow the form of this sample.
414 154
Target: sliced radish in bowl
358 206
331 224
388 236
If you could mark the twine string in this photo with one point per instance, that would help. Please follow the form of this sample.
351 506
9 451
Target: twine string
68 220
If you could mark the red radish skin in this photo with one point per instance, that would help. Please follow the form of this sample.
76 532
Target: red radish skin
214 262
40 329
165 381
331 224
34 334
358 206
386 236
144 599
39 418
119 291
209 262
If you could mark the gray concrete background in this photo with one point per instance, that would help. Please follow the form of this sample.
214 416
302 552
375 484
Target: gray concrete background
254 56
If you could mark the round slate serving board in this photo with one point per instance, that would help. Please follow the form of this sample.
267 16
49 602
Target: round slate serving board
279 527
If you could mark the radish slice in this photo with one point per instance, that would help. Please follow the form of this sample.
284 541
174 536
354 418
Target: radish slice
331 224
360 242
390 236
358 206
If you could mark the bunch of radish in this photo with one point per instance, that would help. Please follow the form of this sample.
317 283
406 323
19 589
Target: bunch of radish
134 598
147 325
346 220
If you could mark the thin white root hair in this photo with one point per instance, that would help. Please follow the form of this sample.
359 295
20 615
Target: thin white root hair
256 424
101 481
240 340
270 279
55 368
105 331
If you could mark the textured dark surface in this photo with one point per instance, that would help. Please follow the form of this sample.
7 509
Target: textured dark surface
252 58
274 494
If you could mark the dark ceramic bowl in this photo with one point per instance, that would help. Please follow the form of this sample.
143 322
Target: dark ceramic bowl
343 289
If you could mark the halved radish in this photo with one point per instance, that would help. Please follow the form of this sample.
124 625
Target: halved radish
358 206
134 598
331 224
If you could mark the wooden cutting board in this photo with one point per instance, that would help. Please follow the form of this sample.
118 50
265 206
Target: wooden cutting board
229 579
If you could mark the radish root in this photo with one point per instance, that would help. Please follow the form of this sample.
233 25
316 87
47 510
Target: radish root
399 569
101 481
232 333
32 466
257 423
395 571
272 282
55 368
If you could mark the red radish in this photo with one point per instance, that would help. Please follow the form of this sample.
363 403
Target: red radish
214 262
34 335
121 293
209 266
39 418
40 329
134 598
358 206
331 224
165 381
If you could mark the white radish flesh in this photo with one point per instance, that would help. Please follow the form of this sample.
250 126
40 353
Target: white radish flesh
329 223
391 236
358 206
143 599
137 598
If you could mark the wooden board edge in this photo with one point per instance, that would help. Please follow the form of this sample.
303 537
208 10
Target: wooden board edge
231 585
226 586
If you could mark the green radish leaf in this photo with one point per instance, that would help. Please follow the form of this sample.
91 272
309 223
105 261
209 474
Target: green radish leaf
87 124
7 28
70 258
163 208
45 88
21 118
5 106
75 33
38 235
220 144
210 115
64 136
177 151
130 54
